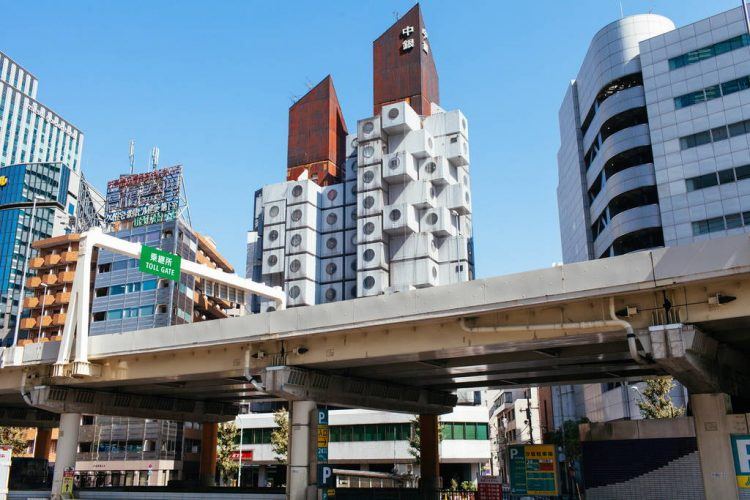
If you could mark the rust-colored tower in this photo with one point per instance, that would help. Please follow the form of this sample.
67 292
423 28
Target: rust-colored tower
403 67
317 136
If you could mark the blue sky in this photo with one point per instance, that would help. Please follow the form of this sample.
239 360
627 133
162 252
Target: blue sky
210 83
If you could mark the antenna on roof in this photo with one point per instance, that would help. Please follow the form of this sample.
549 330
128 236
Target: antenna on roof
293 98
395 15
132 155
308 83
154 158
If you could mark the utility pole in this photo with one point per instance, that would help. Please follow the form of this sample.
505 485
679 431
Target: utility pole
528 416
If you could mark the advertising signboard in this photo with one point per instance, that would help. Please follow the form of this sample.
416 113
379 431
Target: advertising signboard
490 488
145 198
741 452
533 469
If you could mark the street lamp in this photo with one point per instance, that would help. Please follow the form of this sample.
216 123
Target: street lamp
25 269
41 316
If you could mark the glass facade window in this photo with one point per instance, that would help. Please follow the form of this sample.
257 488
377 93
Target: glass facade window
715 135
712 92
709 51
714 224
725 176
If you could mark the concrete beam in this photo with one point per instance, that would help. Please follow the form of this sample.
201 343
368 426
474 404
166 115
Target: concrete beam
28 417
59 399
300 384
698 361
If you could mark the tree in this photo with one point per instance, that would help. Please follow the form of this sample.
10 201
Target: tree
656 401
15 437
280 435
569 438
414 438
227 443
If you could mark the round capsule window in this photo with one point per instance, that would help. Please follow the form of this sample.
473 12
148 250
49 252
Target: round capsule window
394 163
354 190
354 214
466 197
393 113
331 294
368 176
294 292
274 211
297 191
270 309
331 268
432 219
369 228
354 143
368 152
331 243
331 219
368 282
332 194
395 214
272 260
368 255
368 127
297 215
368 202
273 235
430 167
353 265
296 240
353 239
353 291
295 265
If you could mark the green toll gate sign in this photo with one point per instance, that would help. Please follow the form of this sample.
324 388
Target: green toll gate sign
160 263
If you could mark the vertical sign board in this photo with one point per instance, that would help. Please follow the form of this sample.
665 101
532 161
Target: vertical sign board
741 452
490 488
5 458
533 469
326 479
159 263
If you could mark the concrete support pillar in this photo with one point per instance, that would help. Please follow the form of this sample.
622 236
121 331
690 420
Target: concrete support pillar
712 433
67 447
42 443
209 441
300 454
429 455
262 476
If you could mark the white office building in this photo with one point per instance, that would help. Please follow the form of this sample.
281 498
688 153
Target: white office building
654 146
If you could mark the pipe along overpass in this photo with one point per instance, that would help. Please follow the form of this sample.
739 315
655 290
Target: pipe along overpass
682 311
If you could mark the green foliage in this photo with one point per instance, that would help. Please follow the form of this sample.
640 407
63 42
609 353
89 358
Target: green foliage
280 435
15 437
227 443
468 486
569 438
656 402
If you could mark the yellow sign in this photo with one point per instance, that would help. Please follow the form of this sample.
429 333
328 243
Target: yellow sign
67 487
323 436
3 180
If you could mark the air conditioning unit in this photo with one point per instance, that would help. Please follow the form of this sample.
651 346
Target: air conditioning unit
301 266
350 289
371 283
369 129
274 236
274 212
351 145
399 118
438 221
273 261
350 217
400 220
370 203
418 143
370 177
421 194
369 229
370 153
301 241
300 293
331 270
350 193
457 198
446 123
331 220
457 150
332 196
399 168
350 169
419 273
415 246
330 292
350 241
303 215
437 170
331 244
350 267
372 256
275 192
456 272
453 248
303 192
